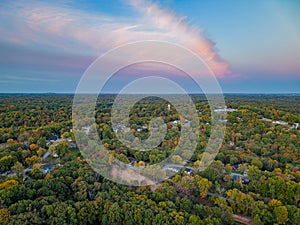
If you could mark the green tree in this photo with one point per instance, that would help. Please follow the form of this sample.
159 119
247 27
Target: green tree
281 214
18 168
6 162
113 215
4 216
204 185
256 162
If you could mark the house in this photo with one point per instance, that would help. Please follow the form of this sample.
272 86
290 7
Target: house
175 122
54 138
223 121
266 119
287 176
188 171
8 174
73 145
294 126
121 128
27 178
231 143
224 110
239 119
280 122
46 168
177 168
235 167
240 177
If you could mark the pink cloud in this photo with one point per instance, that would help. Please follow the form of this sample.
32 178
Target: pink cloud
67 29
178 30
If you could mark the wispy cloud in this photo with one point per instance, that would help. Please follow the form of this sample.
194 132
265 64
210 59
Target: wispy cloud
21 79
61 28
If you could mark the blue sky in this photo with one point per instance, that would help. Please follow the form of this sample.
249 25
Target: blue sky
252 46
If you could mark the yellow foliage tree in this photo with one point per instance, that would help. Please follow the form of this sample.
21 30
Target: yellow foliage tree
4 216
8 184
32 160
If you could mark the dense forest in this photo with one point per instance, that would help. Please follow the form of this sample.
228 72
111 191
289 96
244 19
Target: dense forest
254 179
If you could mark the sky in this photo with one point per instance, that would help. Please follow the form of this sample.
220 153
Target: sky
251 46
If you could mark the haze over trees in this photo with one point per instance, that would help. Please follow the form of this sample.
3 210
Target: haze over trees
63 189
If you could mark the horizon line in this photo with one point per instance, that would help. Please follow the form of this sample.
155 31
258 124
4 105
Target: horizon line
116 93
